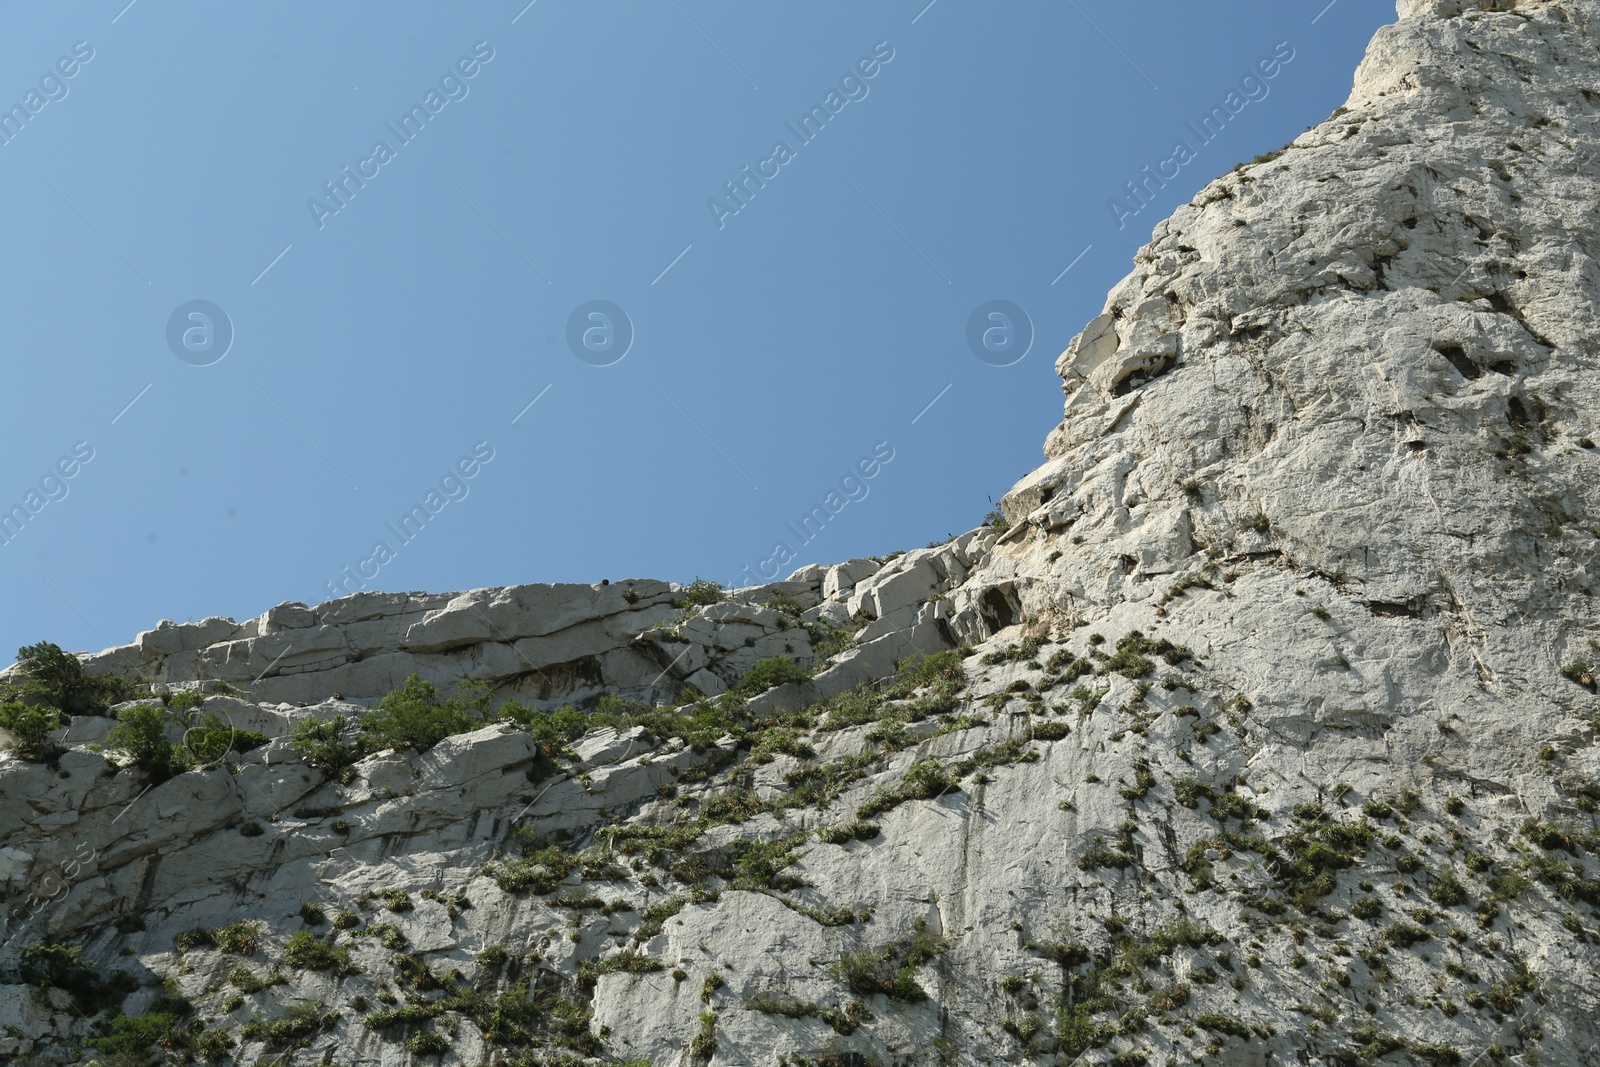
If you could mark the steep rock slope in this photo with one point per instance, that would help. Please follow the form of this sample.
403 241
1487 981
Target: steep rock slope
1264 732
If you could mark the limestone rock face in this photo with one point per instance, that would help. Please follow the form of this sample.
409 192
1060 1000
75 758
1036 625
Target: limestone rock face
1262 731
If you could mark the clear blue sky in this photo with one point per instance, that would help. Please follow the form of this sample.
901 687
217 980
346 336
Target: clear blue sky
772 350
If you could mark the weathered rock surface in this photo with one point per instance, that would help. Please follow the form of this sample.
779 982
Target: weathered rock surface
1271 736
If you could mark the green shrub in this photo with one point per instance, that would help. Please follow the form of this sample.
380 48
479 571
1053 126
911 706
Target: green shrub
58 678
1368 908
428 1044
732 805
892 969
247 981
415 717
388 1019
1222 1024
321 747
132 1039
309 952
553 730
627 961
189 940
1190 790
1132 657
1099 855
397 899
770 672
704 1045
925 780
212 738
700 593
312 914
781 1004
31 727
184 701
1448 890
302 1021
141 734
1404 935
389 936
240 938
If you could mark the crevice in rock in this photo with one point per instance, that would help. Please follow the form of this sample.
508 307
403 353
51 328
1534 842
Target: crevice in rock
1143 377
1410 609
1460 361
999 608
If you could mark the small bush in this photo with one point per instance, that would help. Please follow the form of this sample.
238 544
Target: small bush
700 593
1222 1024
1404 935
390 1018
892 969
389 936
309 952
132 1039
428 1044
58 678
925 780
771 672
1099 855
190 940
141 734
210 739
1448 890
627 962
704 1045
238 938
397 900
321 746
31 727
312 914
302 1021
416 718
1367 908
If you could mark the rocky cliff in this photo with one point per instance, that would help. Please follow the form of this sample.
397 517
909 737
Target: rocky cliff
1262 730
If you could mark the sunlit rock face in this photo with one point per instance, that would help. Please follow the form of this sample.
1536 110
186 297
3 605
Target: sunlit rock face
1260 730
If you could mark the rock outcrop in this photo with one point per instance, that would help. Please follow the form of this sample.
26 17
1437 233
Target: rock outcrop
1261 731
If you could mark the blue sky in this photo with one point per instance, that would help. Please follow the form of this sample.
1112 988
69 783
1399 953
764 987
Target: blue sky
428 330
